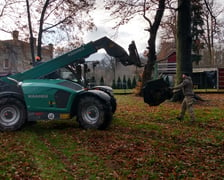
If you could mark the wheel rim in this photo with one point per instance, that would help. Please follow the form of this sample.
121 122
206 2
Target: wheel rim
91 114
9 115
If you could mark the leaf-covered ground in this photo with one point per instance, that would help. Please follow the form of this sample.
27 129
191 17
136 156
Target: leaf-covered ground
142 142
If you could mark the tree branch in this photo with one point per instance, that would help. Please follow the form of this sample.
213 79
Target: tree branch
209 10
52 26
144 14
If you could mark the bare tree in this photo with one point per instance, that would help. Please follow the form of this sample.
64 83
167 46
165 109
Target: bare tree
50 21
153 29
3 6
212 11
168 25
6 9
152 11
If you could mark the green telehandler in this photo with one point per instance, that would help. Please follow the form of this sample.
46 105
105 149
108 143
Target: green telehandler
33 95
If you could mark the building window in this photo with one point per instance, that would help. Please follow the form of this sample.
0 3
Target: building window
6 64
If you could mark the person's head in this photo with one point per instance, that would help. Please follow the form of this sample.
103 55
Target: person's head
184 75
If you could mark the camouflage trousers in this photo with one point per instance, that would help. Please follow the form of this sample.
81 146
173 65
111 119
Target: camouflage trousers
187 104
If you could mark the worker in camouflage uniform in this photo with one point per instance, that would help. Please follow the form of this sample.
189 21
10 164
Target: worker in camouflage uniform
187 104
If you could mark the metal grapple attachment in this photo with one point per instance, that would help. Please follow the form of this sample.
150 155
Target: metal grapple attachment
156 91
113 49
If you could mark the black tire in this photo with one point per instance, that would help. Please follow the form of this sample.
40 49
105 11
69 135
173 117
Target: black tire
12 114
113 104
93 113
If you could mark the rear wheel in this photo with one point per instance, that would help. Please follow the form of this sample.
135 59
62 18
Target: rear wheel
12 114
93 113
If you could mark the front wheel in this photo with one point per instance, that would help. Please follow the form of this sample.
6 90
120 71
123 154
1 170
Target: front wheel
113 103
12 114
93 113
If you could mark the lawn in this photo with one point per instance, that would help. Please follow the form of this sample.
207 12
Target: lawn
143 142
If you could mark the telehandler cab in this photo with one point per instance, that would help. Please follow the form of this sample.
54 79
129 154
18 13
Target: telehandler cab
30 96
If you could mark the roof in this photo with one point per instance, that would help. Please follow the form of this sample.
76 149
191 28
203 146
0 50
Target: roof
167 49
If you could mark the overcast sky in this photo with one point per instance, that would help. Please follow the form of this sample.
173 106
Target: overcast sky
104 23
134 30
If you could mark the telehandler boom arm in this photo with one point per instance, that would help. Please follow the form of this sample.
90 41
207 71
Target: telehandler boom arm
80 53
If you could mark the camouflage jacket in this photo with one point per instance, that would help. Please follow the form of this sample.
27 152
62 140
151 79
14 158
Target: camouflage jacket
186 86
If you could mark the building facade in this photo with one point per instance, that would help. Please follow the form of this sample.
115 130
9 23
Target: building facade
16 55
206 74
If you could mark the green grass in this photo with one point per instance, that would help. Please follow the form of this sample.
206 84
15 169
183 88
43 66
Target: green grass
143 142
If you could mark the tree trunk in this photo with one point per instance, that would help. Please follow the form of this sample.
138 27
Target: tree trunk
39 41
184 39
32 45
183 43
147 74
149 67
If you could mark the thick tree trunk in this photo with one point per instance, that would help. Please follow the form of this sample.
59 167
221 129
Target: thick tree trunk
184 40
184 43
